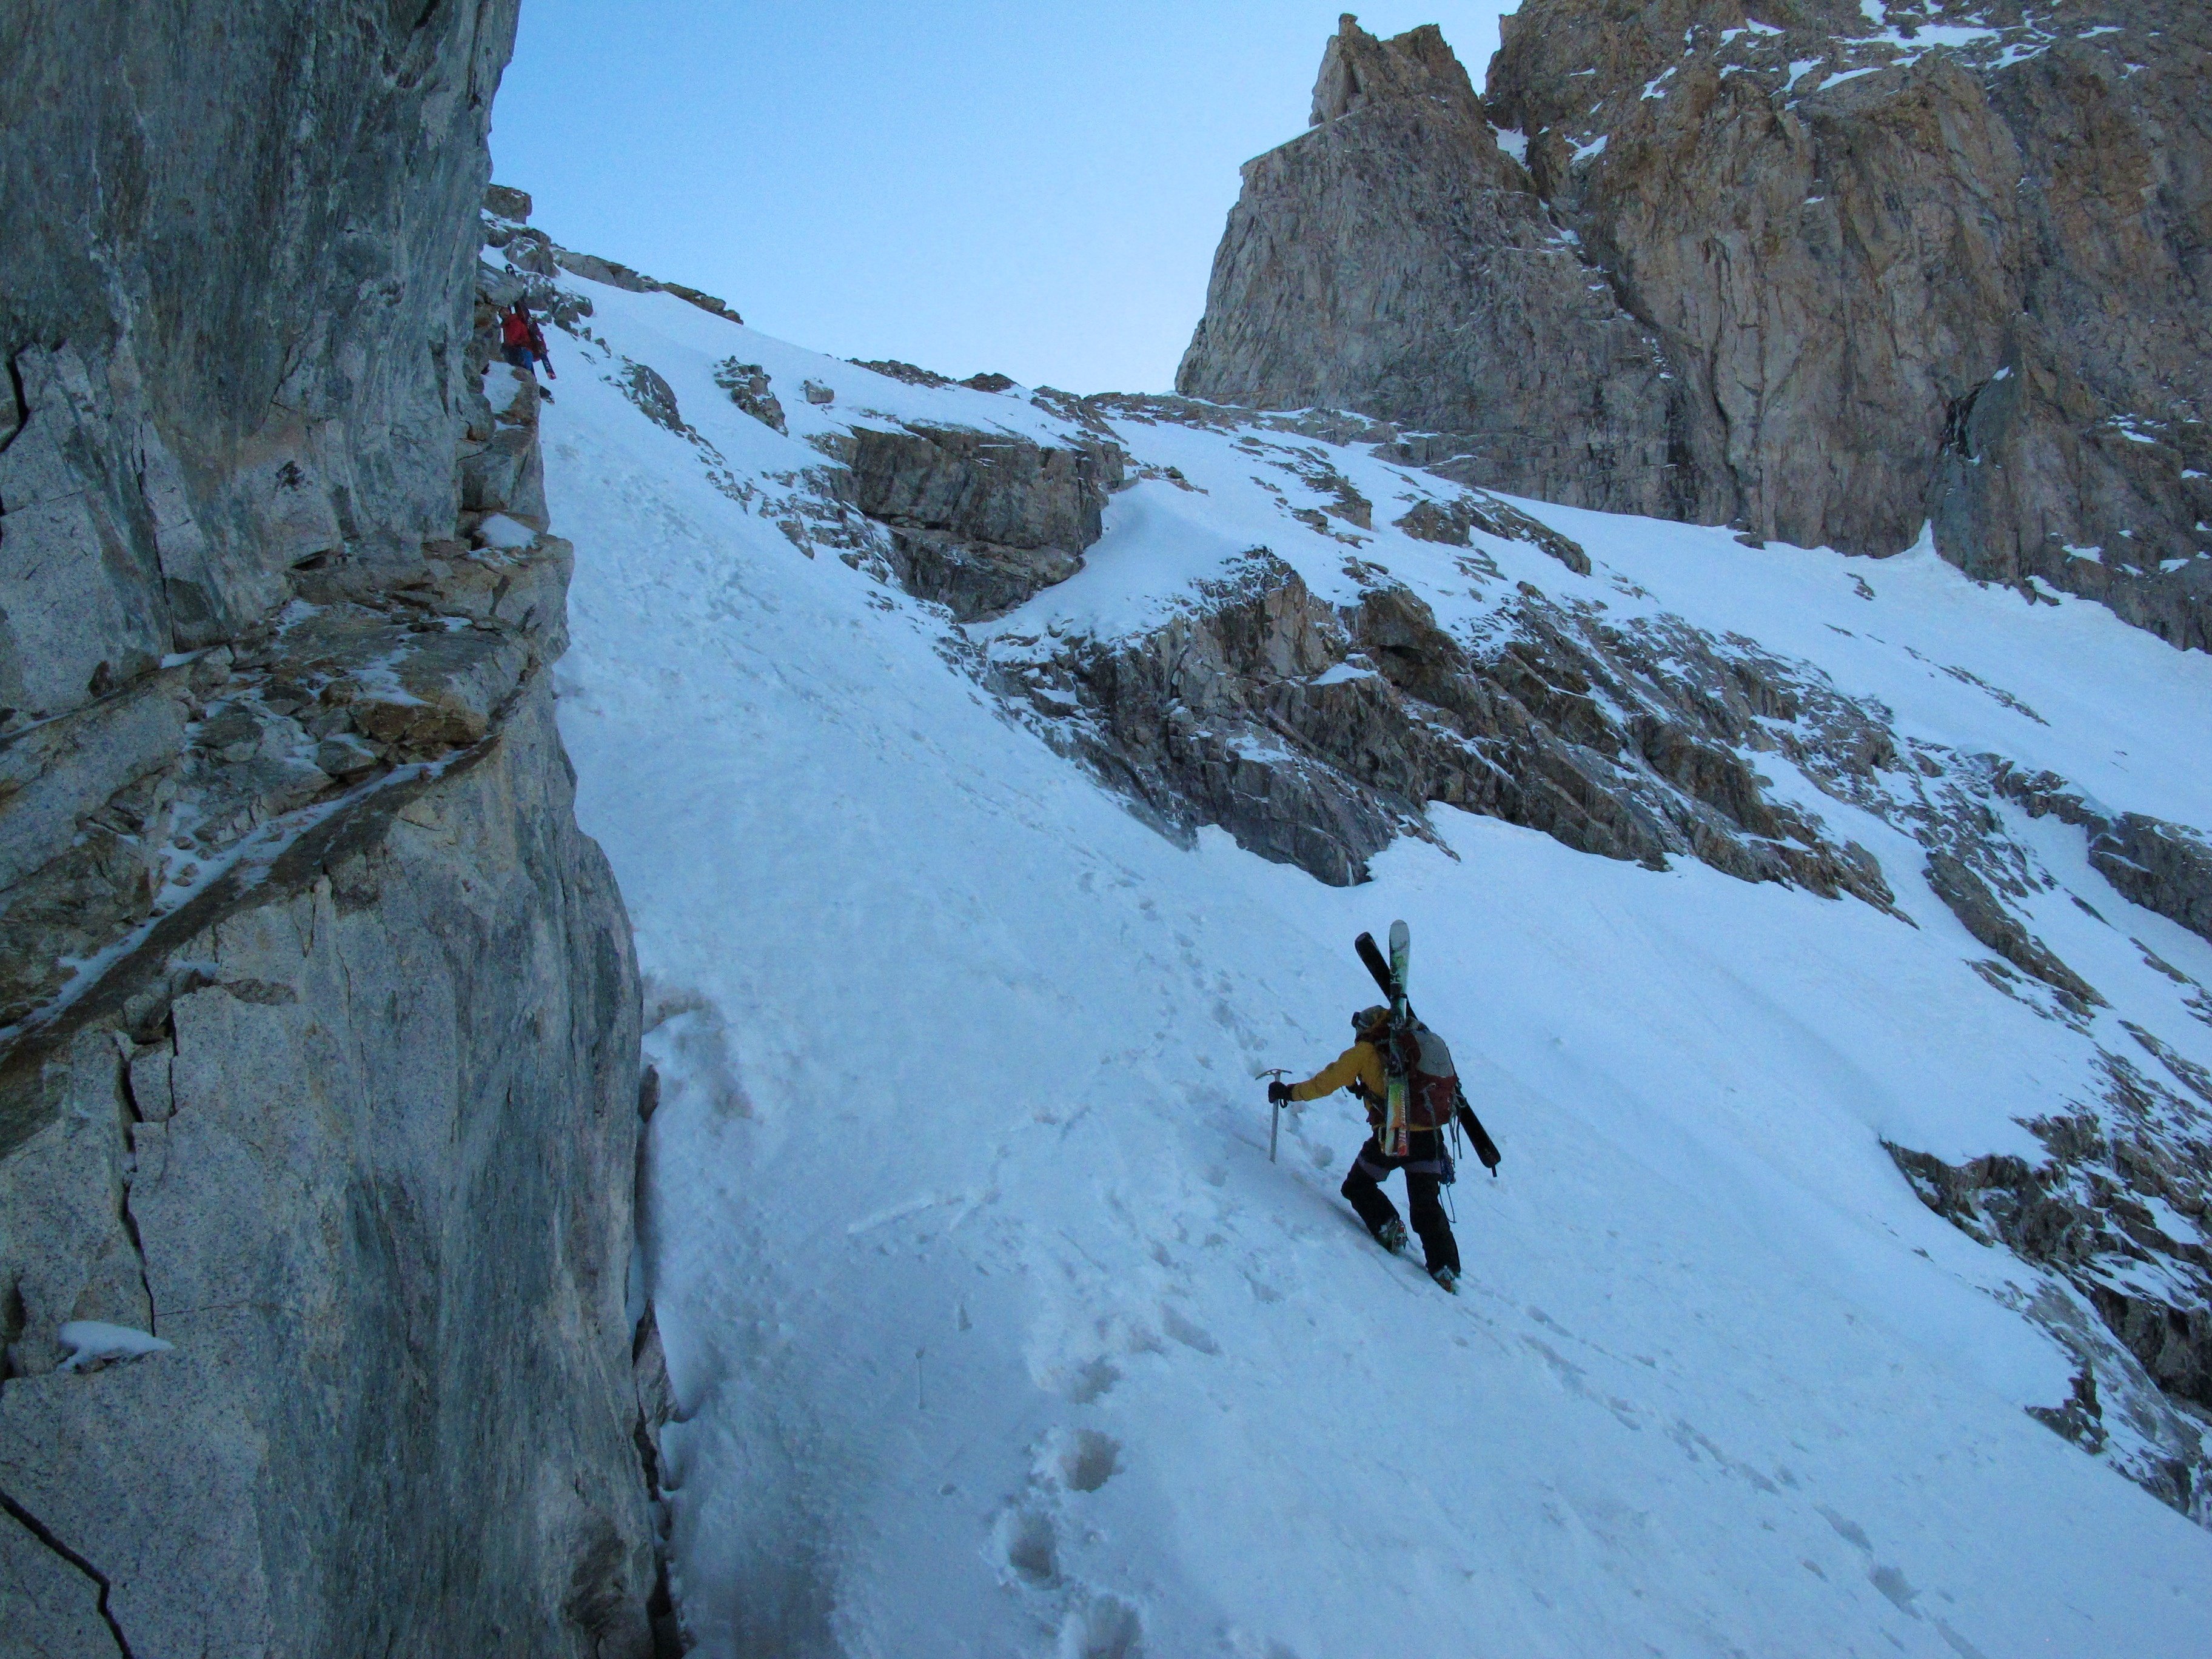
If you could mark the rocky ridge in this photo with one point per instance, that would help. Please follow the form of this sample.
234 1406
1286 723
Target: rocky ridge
1828 273
319 1072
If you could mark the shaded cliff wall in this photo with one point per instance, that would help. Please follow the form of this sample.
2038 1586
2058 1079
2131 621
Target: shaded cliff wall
1938 263
317 1014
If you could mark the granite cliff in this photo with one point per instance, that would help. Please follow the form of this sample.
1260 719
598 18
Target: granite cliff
318 1075
1828 273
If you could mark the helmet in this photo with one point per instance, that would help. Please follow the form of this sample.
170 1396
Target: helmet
1369 1019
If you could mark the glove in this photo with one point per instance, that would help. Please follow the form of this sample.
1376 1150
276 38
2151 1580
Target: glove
1278 1092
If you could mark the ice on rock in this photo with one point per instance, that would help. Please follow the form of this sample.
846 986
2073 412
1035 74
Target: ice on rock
504 533
93 1343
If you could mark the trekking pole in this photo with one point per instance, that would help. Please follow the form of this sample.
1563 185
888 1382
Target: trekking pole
1275 1123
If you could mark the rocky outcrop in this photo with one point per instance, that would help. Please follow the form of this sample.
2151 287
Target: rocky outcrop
1969 898
506 228
317 1014
1395 261
749 389
2117 1214
1316 737
2164 867
979 521
1940 264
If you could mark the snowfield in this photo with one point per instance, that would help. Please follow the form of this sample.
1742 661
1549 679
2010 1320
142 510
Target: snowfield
992 1328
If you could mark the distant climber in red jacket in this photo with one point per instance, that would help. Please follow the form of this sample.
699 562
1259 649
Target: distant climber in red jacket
522 344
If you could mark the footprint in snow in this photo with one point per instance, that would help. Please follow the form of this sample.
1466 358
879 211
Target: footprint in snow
1106 1628
1190 1334
1081 1460
1890 1581
1023 1540
1848 1530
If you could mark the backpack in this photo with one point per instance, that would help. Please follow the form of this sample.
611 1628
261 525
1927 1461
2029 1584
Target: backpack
1421 1057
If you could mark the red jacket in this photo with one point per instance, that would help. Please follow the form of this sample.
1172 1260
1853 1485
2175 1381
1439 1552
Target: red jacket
514 330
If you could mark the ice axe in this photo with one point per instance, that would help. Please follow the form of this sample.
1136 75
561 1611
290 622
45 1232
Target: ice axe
1275 1123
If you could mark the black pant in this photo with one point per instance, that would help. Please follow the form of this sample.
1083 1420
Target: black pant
1424 1163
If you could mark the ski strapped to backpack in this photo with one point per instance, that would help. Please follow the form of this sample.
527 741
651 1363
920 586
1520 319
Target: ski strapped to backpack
1396 1129
1477 1136
1425 1087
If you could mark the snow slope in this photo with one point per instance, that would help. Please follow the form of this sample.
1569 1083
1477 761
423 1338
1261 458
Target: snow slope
995 1331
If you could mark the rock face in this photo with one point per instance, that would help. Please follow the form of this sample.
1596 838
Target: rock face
1315 738
317 1014
358 1141
1316 733
1945 268
979 521
1395 261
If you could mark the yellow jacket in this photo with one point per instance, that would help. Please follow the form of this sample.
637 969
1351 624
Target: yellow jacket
1361 1064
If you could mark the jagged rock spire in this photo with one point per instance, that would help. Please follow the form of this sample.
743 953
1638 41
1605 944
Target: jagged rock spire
1357 69
1394 259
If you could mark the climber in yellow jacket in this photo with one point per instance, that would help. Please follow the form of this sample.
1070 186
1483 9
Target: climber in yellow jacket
1361 1069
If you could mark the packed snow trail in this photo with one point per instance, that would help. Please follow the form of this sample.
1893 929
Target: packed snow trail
994 1331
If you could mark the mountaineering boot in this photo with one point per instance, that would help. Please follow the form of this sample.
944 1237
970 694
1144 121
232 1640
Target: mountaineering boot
1447 1277
1391 1236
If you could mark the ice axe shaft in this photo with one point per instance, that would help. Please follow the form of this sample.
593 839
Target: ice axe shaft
1275 1120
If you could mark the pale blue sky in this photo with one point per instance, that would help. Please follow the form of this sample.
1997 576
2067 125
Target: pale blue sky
971 185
